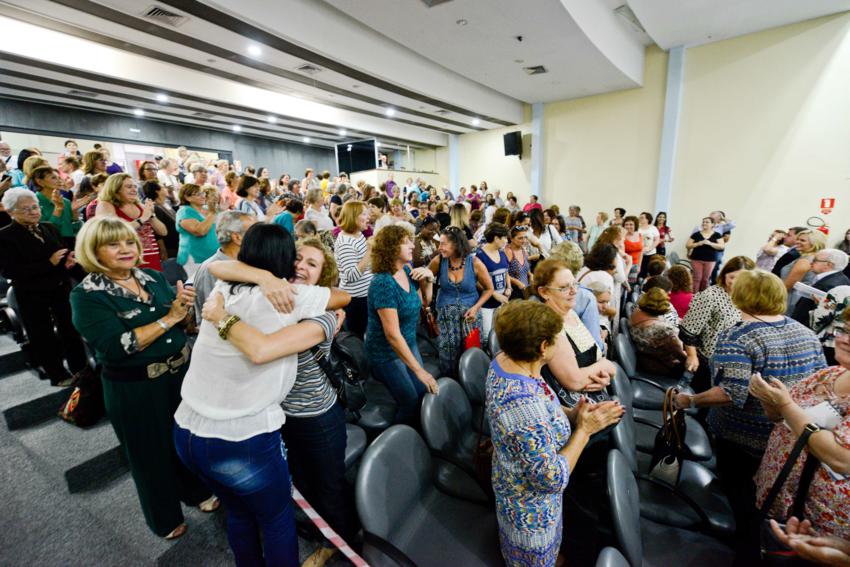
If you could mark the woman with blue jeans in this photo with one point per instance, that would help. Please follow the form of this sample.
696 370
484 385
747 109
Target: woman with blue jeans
227 426
394 305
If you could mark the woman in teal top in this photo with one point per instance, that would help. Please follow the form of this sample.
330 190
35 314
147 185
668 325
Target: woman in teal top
393 314
196 226
131 318
55 209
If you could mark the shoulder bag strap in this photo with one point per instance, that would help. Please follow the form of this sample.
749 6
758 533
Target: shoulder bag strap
783 474
806 476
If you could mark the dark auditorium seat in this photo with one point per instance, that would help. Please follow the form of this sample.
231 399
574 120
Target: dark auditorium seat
696 503
398 503
379 412
355 444
447 428
646 543
173 272
611 557
648 422
648 390
473 367
493 344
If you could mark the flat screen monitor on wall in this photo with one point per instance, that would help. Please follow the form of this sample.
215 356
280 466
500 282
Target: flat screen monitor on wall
356 156
513 144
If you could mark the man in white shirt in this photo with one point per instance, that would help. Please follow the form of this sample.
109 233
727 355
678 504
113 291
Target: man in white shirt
7 157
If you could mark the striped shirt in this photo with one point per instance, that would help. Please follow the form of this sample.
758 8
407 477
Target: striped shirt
348 253
312 394
785 350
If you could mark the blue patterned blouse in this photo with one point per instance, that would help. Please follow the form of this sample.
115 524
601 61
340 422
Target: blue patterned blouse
785 350
529 476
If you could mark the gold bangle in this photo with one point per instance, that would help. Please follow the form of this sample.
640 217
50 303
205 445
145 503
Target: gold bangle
228 324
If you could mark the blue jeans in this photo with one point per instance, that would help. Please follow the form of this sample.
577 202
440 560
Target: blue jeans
251 478
404 386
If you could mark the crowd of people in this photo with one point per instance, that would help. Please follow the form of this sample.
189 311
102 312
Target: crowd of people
210 295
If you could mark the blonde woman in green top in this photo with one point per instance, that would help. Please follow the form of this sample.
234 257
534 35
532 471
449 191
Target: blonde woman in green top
133 320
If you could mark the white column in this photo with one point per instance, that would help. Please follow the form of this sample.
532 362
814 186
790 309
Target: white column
537 150
454 140
670 129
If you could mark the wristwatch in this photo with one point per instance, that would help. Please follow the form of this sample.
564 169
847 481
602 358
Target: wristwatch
692 403
225 325
812 427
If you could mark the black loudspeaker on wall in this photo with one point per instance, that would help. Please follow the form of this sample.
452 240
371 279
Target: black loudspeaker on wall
513 144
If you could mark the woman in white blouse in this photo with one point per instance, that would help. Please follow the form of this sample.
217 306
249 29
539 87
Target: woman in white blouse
228 425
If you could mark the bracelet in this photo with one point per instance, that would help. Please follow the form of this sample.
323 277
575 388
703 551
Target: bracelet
692 403
163 324
227 325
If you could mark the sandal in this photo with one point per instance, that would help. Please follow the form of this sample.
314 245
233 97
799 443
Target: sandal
209 505
319 557
177 532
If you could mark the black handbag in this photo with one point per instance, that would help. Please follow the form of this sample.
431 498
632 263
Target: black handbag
773 552
346 369
670 448
569 398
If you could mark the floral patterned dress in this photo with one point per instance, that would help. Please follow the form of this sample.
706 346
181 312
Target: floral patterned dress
529 476
828 502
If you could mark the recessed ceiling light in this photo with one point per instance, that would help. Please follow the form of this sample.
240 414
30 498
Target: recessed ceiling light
342 132
139 112
461 22
271 119
162 97
236 128
476 121
377 144
135 130
305 139
254 51
390 111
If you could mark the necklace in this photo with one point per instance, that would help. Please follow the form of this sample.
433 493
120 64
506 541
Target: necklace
456 269
772 323
128 278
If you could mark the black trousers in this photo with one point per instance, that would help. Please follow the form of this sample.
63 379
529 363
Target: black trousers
357 316
40 311
736 468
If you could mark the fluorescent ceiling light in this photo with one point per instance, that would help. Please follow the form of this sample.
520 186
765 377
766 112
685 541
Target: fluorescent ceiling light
254 51
162 97
271 119
390 111
476 122
237 128
139 112
306 140
342 132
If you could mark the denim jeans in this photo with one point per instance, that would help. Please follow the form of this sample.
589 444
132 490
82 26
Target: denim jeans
315 449
251 478
404 386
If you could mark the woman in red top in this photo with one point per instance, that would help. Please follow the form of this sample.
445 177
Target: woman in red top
633 242
120 198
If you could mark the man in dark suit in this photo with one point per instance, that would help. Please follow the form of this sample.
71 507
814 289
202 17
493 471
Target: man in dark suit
35 259
790 241
827 266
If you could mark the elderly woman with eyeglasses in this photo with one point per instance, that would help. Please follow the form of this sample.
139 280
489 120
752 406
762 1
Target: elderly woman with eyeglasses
34 255
458 302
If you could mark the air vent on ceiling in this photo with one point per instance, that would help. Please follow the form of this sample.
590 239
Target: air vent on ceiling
78 92
627 14
202 114
432 3
163 16
535 70
307 68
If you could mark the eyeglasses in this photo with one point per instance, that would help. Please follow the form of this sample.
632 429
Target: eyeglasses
30 209
840 333
569 287
816 260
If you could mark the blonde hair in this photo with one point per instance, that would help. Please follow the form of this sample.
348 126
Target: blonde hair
31 164
459 215
330 273
101 231
570 253
90 159
112 187
348 216
758 292
817 238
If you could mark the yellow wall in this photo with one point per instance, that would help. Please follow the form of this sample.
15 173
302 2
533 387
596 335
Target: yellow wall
481 156
602 151
765 131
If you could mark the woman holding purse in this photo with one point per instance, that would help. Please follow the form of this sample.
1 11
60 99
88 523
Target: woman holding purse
823 399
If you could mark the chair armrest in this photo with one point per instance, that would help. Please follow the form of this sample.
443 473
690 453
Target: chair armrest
705 523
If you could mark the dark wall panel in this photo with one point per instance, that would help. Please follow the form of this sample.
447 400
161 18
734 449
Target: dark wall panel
280 157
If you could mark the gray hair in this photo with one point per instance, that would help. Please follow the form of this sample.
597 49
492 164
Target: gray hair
198 167
229 223
836 257
598 288
12 196
305 226
313 196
